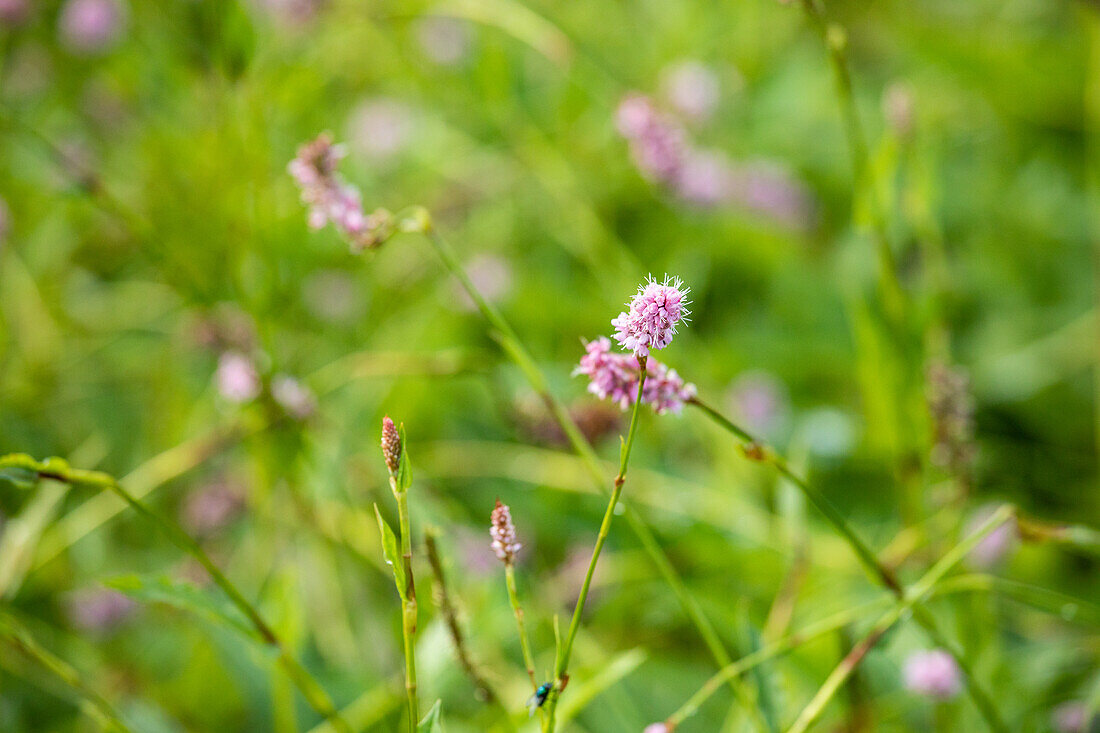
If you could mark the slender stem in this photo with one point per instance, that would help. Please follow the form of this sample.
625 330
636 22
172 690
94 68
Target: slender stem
770 651
408 604
835 41
515 350
95 705
561 666
513 598
450 615
59 470
910 600
757 451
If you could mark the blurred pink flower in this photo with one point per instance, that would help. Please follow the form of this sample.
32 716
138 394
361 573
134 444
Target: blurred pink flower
212 507
491 275
291 12
330 199
996 545
761 401
293 396
933 673
899 109
706 178
657 728
1070 717
658 144
652 316
692 88
615 377
445 41
99 609
91 26
768 189
381 127
5 220
14 12
237 378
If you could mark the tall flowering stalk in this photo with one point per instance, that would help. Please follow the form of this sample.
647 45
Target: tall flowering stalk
650 322
418 220
59 470
505 545
397 463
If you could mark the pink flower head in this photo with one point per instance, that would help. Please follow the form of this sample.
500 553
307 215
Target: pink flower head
14 12
330 199
995 546
933 673
503 533
91 26
615 377
293 396
1071 717
237 378
657 144
657 728
99 609
653 314
692 88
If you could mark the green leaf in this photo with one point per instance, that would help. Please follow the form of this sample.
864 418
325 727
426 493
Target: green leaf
19 477
404 470
187 597
432 722
393 555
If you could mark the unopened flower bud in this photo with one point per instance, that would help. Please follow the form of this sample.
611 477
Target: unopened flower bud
503 533
391 445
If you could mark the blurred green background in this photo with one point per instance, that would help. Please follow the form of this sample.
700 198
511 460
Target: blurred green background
149 227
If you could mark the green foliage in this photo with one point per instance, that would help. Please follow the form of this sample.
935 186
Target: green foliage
391 552
433 721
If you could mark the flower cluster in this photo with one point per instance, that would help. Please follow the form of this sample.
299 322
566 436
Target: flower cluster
703 177
391 445
503 533
952 409
330 199
651 318
615 377
933 673
657 143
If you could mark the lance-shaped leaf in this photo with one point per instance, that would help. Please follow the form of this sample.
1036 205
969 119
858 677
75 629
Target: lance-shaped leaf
433 721
393 555
404 470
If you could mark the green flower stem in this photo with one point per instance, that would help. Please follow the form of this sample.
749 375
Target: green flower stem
513 598
420 221
835 41
408 603
781 646
561 665
450 615
757 451
915 595
59 470
92 703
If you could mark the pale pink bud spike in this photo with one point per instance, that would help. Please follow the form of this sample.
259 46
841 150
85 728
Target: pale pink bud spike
391 444
503 533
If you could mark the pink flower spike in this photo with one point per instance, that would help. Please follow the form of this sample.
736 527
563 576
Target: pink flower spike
503 532
614 377
654 312
933 673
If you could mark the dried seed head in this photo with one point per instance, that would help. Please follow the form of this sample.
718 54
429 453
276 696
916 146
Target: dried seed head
503 533
391 444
